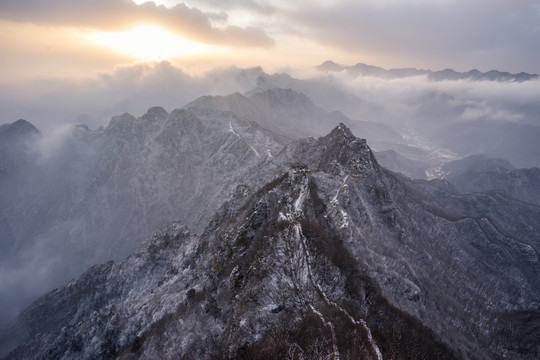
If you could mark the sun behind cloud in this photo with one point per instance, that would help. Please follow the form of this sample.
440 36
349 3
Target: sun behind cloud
148 42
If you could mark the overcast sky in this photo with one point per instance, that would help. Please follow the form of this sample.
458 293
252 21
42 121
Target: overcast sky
79 41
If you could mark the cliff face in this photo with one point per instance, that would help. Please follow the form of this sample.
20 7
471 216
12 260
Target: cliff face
335 257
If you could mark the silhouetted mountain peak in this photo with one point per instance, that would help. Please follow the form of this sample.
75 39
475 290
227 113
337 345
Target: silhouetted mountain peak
20 127
330 66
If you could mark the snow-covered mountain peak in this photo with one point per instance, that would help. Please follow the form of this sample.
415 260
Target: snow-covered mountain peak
156 113
339 152
121 123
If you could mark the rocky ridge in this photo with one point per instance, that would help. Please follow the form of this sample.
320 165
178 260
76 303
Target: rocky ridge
334 257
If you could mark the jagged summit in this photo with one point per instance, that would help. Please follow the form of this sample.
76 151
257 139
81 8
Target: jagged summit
329 65
341 131
339 152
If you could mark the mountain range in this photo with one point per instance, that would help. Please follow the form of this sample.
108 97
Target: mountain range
334 256
280 242
437 121
66 195
361 69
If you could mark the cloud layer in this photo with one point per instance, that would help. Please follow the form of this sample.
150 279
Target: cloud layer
414 102
132 88
485 34
111 15
488 34
436 34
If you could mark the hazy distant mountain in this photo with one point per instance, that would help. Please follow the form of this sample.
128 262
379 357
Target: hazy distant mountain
335 257
479 163
446 74
291 114
15 140
519 143
481 174
326 94
442 118
398 163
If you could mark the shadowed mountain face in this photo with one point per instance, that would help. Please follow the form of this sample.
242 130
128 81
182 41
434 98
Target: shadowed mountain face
481 174
334 257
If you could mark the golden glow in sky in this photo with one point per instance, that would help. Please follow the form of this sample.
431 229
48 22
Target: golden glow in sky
59 38
150 43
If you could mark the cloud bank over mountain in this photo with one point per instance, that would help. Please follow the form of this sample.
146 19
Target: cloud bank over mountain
448 113
457 34
121 15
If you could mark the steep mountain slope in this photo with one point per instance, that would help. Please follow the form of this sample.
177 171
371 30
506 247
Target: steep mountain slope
91 196
334 257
